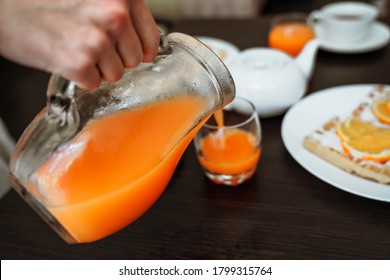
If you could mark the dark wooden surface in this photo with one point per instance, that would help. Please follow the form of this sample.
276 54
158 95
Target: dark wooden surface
283 212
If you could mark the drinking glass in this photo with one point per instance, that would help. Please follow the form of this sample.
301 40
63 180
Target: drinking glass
228 145
290 32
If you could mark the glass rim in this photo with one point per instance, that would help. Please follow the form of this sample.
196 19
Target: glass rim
288 17
252 115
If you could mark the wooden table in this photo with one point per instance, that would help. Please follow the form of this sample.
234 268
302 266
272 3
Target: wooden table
283 212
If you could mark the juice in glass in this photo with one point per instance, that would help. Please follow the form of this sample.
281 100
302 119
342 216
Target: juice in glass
290 33
233 152
230 150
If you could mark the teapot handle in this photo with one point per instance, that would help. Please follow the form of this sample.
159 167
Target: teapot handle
314 18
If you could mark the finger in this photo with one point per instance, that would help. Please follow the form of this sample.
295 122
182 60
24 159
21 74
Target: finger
81 69
114 18
89 80
110 65
146 28
129 46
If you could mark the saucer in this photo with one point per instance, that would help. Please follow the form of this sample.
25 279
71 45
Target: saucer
378 38
225 50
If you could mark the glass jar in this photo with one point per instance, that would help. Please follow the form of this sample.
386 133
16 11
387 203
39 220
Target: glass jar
93 161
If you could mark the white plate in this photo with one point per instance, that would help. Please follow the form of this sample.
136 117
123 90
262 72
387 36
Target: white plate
312 112
379 37
224 49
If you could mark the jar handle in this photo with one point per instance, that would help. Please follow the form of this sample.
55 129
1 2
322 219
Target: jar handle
163 48
60 102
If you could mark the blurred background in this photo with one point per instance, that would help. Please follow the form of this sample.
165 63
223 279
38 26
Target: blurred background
174 10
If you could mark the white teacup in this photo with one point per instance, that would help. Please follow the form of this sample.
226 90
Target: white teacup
344 21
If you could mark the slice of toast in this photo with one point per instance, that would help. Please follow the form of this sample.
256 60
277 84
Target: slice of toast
325 143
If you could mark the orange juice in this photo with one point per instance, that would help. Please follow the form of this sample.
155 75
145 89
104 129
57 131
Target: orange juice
290 37
218 116
117 167
237 154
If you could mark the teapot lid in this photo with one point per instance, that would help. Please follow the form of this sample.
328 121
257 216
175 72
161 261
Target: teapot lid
261 59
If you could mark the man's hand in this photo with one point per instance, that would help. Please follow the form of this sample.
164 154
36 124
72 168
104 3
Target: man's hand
82 40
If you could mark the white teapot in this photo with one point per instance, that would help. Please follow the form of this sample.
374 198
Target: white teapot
272 79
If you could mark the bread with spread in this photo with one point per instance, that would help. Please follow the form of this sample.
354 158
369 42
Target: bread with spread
360 143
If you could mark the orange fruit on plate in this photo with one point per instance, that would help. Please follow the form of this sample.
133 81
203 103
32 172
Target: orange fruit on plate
364 141
381 110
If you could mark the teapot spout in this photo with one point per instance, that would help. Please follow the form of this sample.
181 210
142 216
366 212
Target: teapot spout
306 58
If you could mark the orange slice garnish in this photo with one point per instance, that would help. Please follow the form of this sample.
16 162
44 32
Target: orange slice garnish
381 110
364 141
353 128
